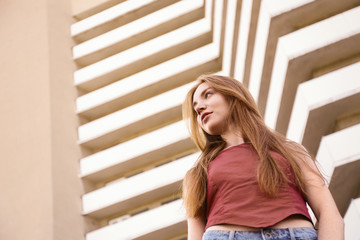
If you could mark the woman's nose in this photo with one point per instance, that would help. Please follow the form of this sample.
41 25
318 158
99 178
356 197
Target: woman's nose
200 107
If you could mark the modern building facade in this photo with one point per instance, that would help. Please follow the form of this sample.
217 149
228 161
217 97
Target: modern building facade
92 142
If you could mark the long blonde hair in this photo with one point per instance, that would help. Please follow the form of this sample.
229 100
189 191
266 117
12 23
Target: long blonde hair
246 116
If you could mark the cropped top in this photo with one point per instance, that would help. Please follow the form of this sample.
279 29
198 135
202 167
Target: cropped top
234 196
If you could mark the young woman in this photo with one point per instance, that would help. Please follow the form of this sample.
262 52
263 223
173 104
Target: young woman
249 182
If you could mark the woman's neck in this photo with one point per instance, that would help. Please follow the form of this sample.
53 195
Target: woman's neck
232 138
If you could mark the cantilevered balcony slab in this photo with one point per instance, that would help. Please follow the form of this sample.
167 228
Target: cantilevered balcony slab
149 82
137 118
114 17
84 9
352 219
166 221
230 28
278 18
167 142
156 51
143 56
133 192
150 26
339 157
247 16
300 52
159 78
275 19
320 101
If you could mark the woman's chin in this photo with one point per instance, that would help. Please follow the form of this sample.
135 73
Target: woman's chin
213 131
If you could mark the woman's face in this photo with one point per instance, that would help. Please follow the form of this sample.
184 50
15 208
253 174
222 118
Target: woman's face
212 110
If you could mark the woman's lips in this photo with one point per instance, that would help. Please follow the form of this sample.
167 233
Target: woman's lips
205 116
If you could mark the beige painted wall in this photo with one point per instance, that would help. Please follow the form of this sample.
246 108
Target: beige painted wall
40 190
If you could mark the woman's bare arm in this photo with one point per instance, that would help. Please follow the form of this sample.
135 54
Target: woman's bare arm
331 225
196 228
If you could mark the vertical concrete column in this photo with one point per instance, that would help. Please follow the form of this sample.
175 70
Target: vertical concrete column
39 187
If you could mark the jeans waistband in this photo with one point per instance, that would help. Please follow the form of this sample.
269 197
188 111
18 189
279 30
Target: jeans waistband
262 234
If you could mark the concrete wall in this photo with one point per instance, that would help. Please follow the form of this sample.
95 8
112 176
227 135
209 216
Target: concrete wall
40 191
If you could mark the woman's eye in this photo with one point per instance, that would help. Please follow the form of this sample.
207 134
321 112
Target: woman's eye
207 94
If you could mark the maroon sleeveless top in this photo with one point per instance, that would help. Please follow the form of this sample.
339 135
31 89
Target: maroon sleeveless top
234 197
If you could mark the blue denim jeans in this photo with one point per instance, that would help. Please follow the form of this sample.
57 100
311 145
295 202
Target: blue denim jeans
264 234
